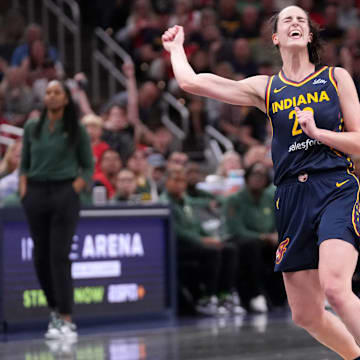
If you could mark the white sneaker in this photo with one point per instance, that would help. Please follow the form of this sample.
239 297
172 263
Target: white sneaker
68 330
60 329
53 332
210 307
233 305
258 304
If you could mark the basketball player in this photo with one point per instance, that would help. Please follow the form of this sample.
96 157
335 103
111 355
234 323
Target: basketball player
315 114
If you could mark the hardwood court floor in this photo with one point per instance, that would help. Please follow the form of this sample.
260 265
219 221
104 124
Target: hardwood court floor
262 337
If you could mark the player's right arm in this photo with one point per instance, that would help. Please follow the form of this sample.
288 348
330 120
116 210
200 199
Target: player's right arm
247 92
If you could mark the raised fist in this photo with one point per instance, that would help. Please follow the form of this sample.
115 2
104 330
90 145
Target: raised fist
173 37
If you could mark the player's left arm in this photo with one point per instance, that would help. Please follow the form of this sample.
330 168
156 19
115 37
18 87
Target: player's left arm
349 141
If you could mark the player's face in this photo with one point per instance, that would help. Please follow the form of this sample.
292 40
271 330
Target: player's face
292 28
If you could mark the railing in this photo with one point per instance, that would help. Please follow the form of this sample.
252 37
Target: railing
106 53
183 111
219 137
216 143
174 129
216 152
58 9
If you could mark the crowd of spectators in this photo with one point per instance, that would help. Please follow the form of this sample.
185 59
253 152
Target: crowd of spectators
137 158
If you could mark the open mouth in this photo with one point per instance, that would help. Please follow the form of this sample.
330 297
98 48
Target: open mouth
295 34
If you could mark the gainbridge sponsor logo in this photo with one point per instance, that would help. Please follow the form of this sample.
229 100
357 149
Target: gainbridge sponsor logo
304 145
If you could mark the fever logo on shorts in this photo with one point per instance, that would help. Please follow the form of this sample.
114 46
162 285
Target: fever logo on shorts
281 250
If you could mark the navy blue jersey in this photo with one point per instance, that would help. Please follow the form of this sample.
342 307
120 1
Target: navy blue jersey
293 151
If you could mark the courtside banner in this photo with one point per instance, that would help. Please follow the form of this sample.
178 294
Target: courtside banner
121 265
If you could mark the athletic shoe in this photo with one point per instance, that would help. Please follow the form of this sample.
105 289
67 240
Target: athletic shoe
59 328
209 306
232 303
68 329
54 332
258 304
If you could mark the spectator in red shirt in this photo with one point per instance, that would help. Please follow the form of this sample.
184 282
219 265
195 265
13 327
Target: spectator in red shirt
110 165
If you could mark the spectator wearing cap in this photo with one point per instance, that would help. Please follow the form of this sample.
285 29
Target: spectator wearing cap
94 127
157 169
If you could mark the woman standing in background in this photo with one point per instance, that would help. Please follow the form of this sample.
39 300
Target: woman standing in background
56 165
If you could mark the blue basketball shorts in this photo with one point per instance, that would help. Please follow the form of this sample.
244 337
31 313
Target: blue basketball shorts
310 209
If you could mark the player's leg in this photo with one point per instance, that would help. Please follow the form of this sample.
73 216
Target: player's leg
337 264
306 300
